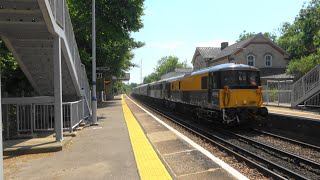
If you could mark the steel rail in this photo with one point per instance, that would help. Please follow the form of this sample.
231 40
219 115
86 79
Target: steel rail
296 158
303 144
240 153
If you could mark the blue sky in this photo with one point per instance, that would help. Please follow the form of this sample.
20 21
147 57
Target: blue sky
177 27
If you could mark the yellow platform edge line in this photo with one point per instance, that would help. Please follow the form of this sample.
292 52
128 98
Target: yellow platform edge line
148 162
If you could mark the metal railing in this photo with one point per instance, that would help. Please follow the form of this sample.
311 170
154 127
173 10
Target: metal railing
40 117
313 101
277 97
305 86
86 87
61 14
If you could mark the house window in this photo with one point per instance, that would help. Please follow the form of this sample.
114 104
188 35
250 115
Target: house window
251 60
268 60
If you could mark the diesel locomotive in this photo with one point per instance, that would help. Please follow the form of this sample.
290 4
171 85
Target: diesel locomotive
227 93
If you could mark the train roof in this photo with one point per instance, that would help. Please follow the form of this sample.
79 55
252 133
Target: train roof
225 67
221 67
171 78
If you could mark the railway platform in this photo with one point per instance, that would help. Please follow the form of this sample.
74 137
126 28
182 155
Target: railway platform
127 144
300 123
295 113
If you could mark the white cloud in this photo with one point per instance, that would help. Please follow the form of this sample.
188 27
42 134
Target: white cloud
165 45
212 43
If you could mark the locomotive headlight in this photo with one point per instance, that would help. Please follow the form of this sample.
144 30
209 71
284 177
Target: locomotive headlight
244 102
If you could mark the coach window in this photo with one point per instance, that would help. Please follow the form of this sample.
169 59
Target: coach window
215 81
268 60
204 82
251 60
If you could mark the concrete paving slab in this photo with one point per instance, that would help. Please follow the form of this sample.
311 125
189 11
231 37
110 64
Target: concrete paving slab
218 174
172 146
33 146
161 136
189 162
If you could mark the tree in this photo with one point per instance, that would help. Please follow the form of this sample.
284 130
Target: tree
302 39
115 20
13 79
299 67
245 35
165 65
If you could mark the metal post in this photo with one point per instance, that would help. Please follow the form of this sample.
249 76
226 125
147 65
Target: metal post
57 89
1 147
94 82
278 93
71 118
104 88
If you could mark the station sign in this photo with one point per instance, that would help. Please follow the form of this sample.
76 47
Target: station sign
99 75
103 69
126 77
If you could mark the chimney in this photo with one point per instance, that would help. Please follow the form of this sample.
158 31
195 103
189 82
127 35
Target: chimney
224 45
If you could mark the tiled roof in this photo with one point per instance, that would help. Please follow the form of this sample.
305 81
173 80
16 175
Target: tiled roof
232 48
209 52
215 53
183 70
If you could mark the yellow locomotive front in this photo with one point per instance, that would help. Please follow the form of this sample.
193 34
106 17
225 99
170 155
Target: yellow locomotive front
240 96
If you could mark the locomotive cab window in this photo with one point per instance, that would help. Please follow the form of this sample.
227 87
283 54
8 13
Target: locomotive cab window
204 82
241 79
215 81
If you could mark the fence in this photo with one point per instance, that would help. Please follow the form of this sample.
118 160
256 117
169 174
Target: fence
28 118
277 97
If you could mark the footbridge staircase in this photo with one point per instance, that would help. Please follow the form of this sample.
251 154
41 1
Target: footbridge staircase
306 91
40 36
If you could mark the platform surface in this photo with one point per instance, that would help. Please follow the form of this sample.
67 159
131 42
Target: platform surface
297 113
98 152
181 156
127 144
33 146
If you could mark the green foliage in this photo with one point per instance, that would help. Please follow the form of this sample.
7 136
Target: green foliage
299 67
273 95
120 87
245 35
151 78
13 79
165 65
115 20
302 39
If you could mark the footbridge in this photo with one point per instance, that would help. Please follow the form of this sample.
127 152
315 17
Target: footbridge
40 36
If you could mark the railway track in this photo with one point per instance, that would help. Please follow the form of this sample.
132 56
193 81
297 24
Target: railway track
270 161
293 141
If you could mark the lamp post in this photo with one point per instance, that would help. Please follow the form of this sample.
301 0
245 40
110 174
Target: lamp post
94 75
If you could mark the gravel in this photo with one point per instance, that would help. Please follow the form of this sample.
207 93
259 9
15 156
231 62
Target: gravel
239 166
309 153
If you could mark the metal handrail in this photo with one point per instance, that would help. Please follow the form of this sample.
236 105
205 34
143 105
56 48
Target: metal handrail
307 83
313 101
61 14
